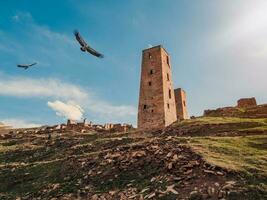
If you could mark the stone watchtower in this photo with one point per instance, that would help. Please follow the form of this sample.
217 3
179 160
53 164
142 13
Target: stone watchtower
181 107
157 107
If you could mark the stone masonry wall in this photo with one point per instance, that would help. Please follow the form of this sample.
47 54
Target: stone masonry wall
156 107
181 105
246 102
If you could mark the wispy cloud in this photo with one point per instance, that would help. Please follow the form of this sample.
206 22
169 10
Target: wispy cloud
22 16
19 86
15 18
19 123
58 91
67 110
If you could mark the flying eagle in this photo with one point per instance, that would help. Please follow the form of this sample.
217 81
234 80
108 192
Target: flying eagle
85 46
26 66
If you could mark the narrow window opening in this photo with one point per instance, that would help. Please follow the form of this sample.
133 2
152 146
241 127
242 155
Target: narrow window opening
168 105
152 71
149 83
184 103
152 110
145 106
168 62
170 94
168 77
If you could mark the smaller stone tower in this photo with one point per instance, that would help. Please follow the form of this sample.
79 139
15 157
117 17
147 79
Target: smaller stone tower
181 107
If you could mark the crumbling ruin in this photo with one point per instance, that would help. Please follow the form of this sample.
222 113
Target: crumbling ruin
246 108
118 127
75 126
246 102
84 126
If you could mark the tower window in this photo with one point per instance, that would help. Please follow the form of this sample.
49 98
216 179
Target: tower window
152 110
170 94
149 55
149 83
152 71
145 106
168 105
168 77
168 62
184 103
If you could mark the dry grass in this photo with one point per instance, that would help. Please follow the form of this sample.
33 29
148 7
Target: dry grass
246 155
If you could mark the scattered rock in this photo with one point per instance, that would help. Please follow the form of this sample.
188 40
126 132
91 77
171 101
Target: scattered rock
211 191
220 173
195 195
221 194
150 196
171 189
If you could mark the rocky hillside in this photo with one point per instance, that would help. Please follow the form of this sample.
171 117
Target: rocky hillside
204 158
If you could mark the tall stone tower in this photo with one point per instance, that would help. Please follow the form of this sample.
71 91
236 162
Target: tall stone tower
181 107
157 106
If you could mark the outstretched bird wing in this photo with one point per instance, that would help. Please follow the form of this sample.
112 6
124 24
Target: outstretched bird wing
23 66
94 52
32 64
79 39
86 46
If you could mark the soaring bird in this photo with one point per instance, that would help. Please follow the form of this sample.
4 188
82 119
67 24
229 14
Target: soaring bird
85 46
26 66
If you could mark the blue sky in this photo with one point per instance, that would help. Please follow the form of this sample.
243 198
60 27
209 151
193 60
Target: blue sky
218 53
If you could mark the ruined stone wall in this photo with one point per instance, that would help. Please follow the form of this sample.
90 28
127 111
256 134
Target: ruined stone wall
181 105
246 102
259 111
156 108
118 127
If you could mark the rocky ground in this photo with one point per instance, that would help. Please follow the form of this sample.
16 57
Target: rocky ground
161 164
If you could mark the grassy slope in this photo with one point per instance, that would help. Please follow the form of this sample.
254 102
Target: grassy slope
222 120
260 124
245 154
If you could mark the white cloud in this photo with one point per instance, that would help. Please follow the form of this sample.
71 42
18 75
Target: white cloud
54 89
28 87
68 110
19 123
22 16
